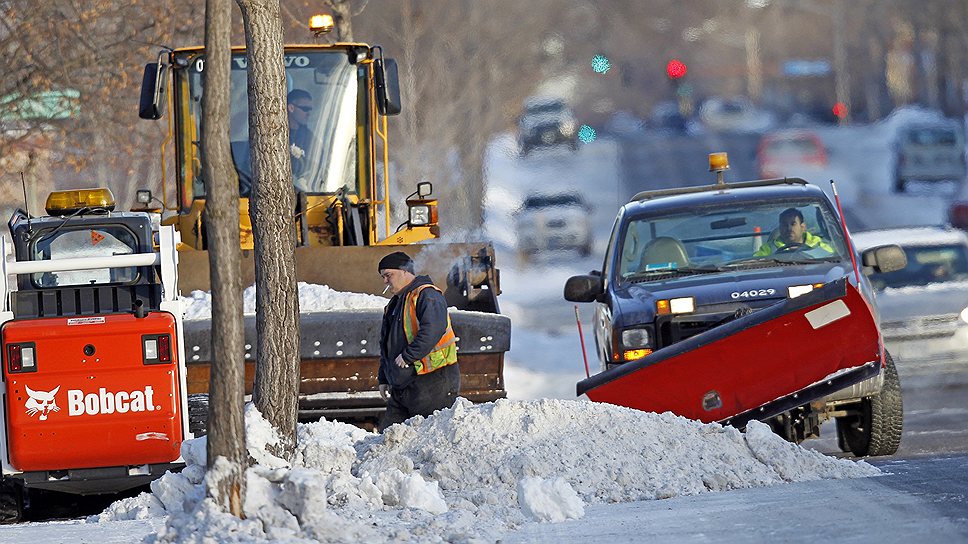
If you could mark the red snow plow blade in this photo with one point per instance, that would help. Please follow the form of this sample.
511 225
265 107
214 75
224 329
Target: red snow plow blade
754 367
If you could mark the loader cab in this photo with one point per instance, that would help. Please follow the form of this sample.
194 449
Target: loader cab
337 100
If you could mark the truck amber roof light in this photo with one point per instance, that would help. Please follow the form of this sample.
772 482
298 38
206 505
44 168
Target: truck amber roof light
70 202
321 23
719 163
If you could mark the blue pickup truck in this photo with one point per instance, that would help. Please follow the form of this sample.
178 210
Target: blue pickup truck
741 301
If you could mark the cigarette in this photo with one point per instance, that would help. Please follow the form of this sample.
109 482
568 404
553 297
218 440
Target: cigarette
385 289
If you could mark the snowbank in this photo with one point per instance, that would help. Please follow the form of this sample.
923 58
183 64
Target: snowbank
471 472
311 298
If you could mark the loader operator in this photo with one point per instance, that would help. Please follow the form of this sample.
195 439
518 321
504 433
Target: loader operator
299 104
792 235
419 373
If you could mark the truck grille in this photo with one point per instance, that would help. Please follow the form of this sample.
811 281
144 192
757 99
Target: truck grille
676 328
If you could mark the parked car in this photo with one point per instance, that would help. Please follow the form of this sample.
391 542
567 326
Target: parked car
666 117
924 306
554 222
546 122
734 114
625 123
785 152
930 152
958 210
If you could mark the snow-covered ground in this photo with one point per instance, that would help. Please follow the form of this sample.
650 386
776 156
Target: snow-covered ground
469 473
540 466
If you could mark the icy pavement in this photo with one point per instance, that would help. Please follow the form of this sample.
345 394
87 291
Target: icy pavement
471 472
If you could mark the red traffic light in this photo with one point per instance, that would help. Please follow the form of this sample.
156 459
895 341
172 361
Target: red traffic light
676 69
839 110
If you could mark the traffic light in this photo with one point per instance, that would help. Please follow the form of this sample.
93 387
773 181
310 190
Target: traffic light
840 111
676 69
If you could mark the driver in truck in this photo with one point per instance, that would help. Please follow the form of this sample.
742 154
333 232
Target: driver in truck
792 234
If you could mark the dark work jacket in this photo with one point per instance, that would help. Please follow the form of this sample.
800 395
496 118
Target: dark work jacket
432 319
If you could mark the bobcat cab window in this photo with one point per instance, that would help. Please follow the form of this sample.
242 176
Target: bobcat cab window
102 241
322 108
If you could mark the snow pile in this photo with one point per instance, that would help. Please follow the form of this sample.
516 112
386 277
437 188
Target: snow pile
312 298
470 472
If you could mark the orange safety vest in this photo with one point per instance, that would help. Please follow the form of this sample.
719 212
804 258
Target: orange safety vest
445 352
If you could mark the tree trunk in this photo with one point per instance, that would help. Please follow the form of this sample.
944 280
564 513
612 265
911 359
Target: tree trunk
343 19
226 429
277 305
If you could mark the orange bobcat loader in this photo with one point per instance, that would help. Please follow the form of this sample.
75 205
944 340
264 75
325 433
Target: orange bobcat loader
93 391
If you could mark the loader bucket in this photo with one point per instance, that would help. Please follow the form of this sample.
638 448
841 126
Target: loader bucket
339 354
339 350
756 366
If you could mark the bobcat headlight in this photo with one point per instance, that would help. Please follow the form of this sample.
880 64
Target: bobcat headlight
21 357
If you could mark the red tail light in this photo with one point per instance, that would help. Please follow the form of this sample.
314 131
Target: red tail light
164 349
958 215
21 357
156 348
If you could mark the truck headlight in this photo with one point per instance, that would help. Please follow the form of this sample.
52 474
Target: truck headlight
964 315
635 338
796 290
567 128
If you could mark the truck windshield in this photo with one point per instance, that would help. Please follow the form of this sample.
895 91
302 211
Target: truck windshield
103 241
741 235
321 106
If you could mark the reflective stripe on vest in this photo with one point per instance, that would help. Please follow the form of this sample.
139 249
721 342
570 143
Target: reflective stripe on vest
445 352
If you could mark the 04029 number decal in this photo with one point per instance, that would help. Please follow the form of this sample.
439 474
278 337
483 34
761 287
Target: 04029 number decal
753 293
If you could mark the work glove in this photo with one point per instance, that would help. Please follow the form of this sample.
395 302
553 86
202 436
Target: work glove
384 391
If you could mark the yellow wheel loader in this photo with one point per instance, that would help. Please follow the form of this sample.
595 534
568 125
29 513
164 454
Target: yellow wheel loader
344 94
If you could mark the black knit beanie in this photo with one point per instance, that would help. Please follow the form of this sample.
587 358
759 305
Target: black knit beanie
398 260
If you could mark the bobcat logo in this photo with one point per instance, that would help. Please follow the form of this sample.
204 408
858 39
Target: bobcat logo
41 401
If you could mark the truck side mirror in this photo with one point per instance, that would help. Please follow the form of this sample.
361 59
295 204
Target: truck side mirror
153 91
584 288
883 259
387 86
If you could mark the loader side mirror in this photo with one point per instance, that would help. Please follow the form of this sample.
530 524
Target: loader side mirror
153 87
387 86
883 259
584 288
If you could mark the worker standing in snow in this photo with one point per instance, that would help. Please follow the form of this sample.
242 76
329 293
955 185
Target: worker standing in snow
419 373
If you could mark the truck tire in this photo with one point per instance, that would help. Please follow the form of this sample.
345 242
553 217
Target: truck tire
198 414
11 500
876 430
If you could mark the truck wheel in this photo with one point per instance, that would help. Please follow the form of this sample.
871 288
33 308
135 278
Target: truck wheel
11 500
198 414
876 430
